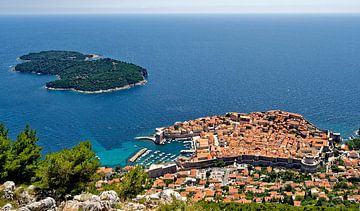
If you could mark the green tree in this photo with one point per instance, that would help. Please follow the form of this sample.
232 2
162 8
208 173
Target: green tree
288 188
219 163
353 144
4 132
24 157
5 145
68 171
288 200
133 183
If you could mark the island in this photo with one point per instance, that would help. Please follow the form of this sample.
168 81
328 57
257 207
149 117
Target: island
86 73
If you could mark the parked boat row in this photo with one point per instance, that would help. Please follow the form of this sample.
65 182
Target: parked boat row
146 157
153 157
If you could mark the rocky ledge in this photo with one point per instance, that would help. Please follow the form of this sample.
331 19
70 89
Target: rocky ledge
26 199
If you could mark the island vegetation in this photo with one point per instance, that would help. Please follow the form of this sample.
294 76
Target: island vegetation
81 72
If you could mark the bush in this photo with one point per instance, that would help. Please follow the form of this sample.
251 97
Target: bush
68 171
19 160
133 183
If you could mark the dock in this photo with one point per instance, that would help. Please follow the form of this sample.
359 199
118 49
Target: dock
137 155
184 151
150 138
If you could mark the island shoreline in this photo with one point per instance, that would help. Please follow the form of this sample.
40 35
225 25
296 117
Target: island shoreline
88 57
140 83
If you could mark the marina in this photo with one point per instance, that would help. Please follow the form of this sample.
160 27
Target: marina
146 157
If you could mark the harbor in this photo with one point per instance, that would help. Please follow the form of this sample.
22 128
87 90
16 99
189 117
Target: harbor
145 157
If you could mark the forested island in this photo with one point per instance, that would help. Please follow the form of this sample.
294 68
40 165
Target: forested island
87 73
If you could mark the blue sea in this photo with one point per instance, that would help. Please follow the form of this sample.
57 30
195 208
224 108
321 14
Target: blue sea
198 65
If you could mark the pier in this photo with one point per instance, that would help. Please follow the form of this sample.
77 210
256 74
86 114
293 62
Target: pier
137 155
149 138
184 151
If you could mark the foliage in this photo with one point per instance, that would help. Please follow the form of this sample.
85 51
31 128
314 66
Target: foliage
220 206
133 183
183 206
76 71
288 200
5 146
353 144
341 185
68 171
20 158
288 188
219 163
287 175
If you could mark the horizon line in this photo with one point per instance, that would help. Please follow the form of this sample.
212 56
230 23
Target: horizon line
189 13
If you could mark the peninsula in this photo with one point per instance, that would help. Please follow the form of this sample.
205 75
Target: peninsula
86 73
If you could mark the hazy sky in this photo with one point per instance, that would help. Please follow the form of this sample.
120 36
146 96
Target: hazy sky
178 6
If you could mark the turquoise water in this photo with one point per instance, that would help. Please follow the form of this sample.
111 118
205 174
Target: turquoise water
198 66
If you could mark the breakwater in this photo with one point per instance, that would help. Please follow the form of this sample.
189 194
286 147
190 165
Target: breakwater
137 155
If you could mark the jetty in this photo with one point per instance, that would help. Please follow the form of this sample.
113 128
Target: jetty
137 155
150 138
184 151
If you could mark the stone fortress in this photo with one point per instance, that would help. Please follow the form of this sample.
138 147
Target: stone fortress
272 138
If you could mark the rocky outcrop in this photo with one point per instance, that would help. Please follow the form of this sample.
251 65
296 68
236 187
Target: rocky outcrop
110 197
6 207
163 196
134 206
8 188
153 201
170 195
89 202
27 196
47 204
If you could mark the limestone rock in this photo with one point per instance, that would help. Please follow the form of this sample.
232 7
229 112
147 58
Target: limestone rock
6 207
25 198
86 197
110 196
74 205
169 195
9 188
47 204
89 202
135 206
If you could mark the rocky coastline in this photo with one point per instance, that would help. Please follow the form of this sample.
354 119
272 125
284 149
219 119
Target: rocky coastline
140 83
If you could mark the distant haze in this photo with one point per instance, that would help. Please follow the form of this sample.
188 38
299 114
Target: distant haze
177 6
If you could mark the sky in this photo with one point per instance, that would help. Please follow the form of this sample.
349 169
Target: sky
177 6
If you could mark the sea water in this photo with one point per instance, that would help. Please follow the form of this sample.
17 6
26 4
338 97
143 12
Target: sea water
198 65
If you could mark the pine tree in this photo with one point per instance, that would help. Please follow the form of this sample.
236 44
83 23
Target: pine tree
24 157
4 151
